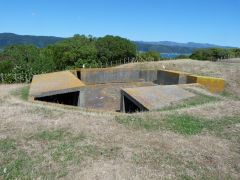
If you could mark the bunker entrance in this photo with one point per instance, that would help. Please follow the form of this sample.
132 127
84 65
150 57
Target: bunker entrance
65 98
79 74
130 107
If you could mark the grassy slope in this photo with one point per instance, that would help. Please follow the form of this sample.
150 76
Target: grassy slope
197 139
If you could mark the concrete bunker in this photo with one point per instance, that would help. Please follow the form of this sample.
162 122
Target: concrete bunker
118 89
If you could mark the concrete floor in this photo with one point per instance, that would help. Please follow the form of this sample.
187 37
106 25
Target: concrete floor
107 96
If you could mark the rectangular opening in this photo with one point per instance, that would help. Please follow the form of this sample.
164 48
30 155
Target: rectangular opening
130 107
79 74
65 98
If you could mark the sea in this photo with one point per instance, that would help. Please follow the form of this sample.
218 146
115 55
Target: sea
170 55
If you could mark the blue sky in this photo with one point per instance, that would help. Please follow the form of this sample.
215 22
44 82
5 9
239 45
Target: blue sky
205 21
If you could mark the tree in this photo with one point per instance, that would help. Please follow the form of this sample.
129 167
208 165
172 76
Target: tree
73 51
212 54
113 48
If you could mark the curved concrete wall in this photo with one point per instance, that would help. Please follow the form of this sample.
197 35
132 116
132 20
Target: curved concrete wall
161 77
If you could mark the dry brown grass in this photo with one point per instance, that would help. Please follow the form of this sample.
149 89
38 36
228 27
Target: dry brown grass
110 150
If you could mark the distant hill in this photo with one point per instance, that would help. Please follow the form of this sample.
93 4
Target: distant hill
144 47
7 39
189 44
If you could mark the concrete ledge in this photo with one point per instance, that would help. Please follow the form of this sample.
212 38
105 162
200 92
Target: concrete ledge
168 77
214 85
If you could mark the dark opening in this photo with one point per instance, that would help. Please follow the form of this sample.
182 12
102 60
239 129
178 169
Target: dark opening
130 107
79 74
65 98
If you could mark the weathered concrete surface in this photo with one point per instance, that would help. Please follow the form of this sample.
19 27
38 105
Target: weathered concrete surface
155 97
214 85
116 75
148 75
107 96
109 75
54 83
60 87
169 77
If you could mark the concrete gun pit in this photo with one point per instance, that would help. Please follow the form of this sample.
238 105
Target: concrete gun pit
118 89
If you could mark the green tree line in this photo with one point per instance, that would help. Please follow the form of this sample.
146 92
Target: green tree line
214 54
80 49
67 54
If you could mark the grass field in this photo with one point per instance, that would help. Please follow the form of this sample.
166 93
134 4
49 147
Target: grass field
196 139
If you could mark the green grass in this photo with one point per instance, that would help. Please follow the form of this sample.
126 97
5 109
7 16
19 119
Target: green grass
1 101
199 99
47 135
48 154
180 165
185 124
22 92
180 123
13 159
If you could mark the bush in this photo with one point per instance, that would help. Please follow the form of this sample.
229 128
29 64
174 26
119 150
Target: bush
182 56
151 56
213 54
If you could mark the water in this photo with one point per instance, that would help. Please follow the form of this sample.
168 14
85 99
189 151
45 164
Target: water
168 55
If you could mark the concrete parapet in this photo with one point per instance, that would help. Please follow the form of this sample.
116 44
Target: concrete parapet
167 77
213 85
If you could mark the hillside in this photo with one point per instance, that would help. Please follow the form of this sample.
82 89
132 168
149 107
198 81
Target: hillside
189 44
7 39
195 140
144 47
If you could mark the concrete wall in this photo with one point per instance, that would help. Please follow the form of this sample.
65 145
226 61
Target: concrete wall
148 75
167 77
213 85
162 77
111 75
